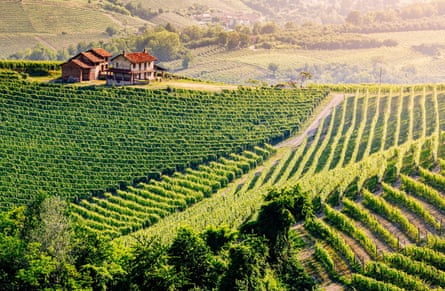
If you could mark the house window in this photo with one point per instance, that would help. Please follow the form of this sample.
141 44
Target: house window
117 65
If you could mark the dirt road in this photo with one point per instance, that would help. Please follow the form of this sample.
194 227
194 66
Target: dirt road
295 141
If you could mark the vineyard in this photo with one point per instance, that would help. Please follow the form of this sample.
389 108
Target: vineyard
137 161
360 136
376 163
72 142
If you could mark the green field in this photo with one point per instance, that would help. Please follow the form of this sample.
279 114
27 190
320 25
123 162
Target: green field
400 64
73 141
384 140
57 24
137 162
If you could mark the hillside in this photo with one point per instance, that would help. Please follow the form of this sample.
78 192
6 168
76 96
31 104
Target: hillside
404 63
58 24
265 180
174 163
152 132
376 163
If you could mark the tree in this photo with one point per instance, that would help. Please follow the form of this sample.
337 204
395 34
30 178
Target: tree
110 30
273 67
233 40
93 257
269 28
247 265
223 38
280 211
39 270
354 17
217 238
274 221
303 76
294 277
191 260
186 60
149 269
244 40
54 231
12 248
165 45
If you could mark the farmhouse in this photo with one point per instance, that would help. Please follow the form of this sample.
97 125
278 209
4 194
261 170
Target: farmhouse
86 66
131 68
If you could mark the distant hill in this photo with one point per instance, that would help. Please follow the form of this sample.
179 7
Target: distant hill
58 24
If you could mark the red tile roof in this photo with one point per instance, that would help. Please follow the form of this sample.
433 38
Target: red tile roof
80 64
93 58
142 57
101 52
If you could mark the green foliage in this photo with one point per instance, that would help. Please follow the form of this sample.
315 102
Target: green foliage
191 260
246 270
281 210
148 269
384 273
294 277
360 282
426 255
319 229
40 250
217 238
416 268
323 256
38 272
108 153
433 179
399 197
361 214
422 190
345 224
393 214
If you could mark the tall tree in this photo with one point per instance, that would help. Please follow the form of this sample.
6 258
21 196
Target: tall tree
247 265
191 260
149 269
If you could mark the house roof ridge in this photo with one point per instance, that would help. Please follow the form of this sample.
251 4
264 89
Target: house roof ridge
138 57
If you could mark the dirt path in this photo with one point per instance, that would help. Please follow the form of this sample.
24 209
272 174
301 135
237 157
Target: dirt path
380 244
295 141
434 211
356 247
403 238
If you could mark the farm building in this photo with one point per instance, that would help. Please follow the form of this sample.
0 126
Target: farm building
131 68
86 66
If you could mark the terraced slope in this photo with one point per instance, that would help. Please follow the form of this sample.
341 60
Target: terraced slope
388 233
14 18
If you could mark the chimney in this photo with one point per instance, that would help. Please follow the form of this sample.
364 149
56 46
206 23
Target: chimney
123 52
145 50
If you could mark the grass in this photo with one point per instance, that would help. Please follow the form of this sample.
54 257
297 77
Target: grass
57 24
232 5
53 17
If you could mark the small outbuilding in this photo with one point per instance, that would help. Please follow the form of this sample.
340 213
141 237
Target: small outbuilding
86 66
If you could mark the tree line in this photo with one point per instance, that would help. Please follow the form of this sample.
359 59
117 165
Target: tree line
41 248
